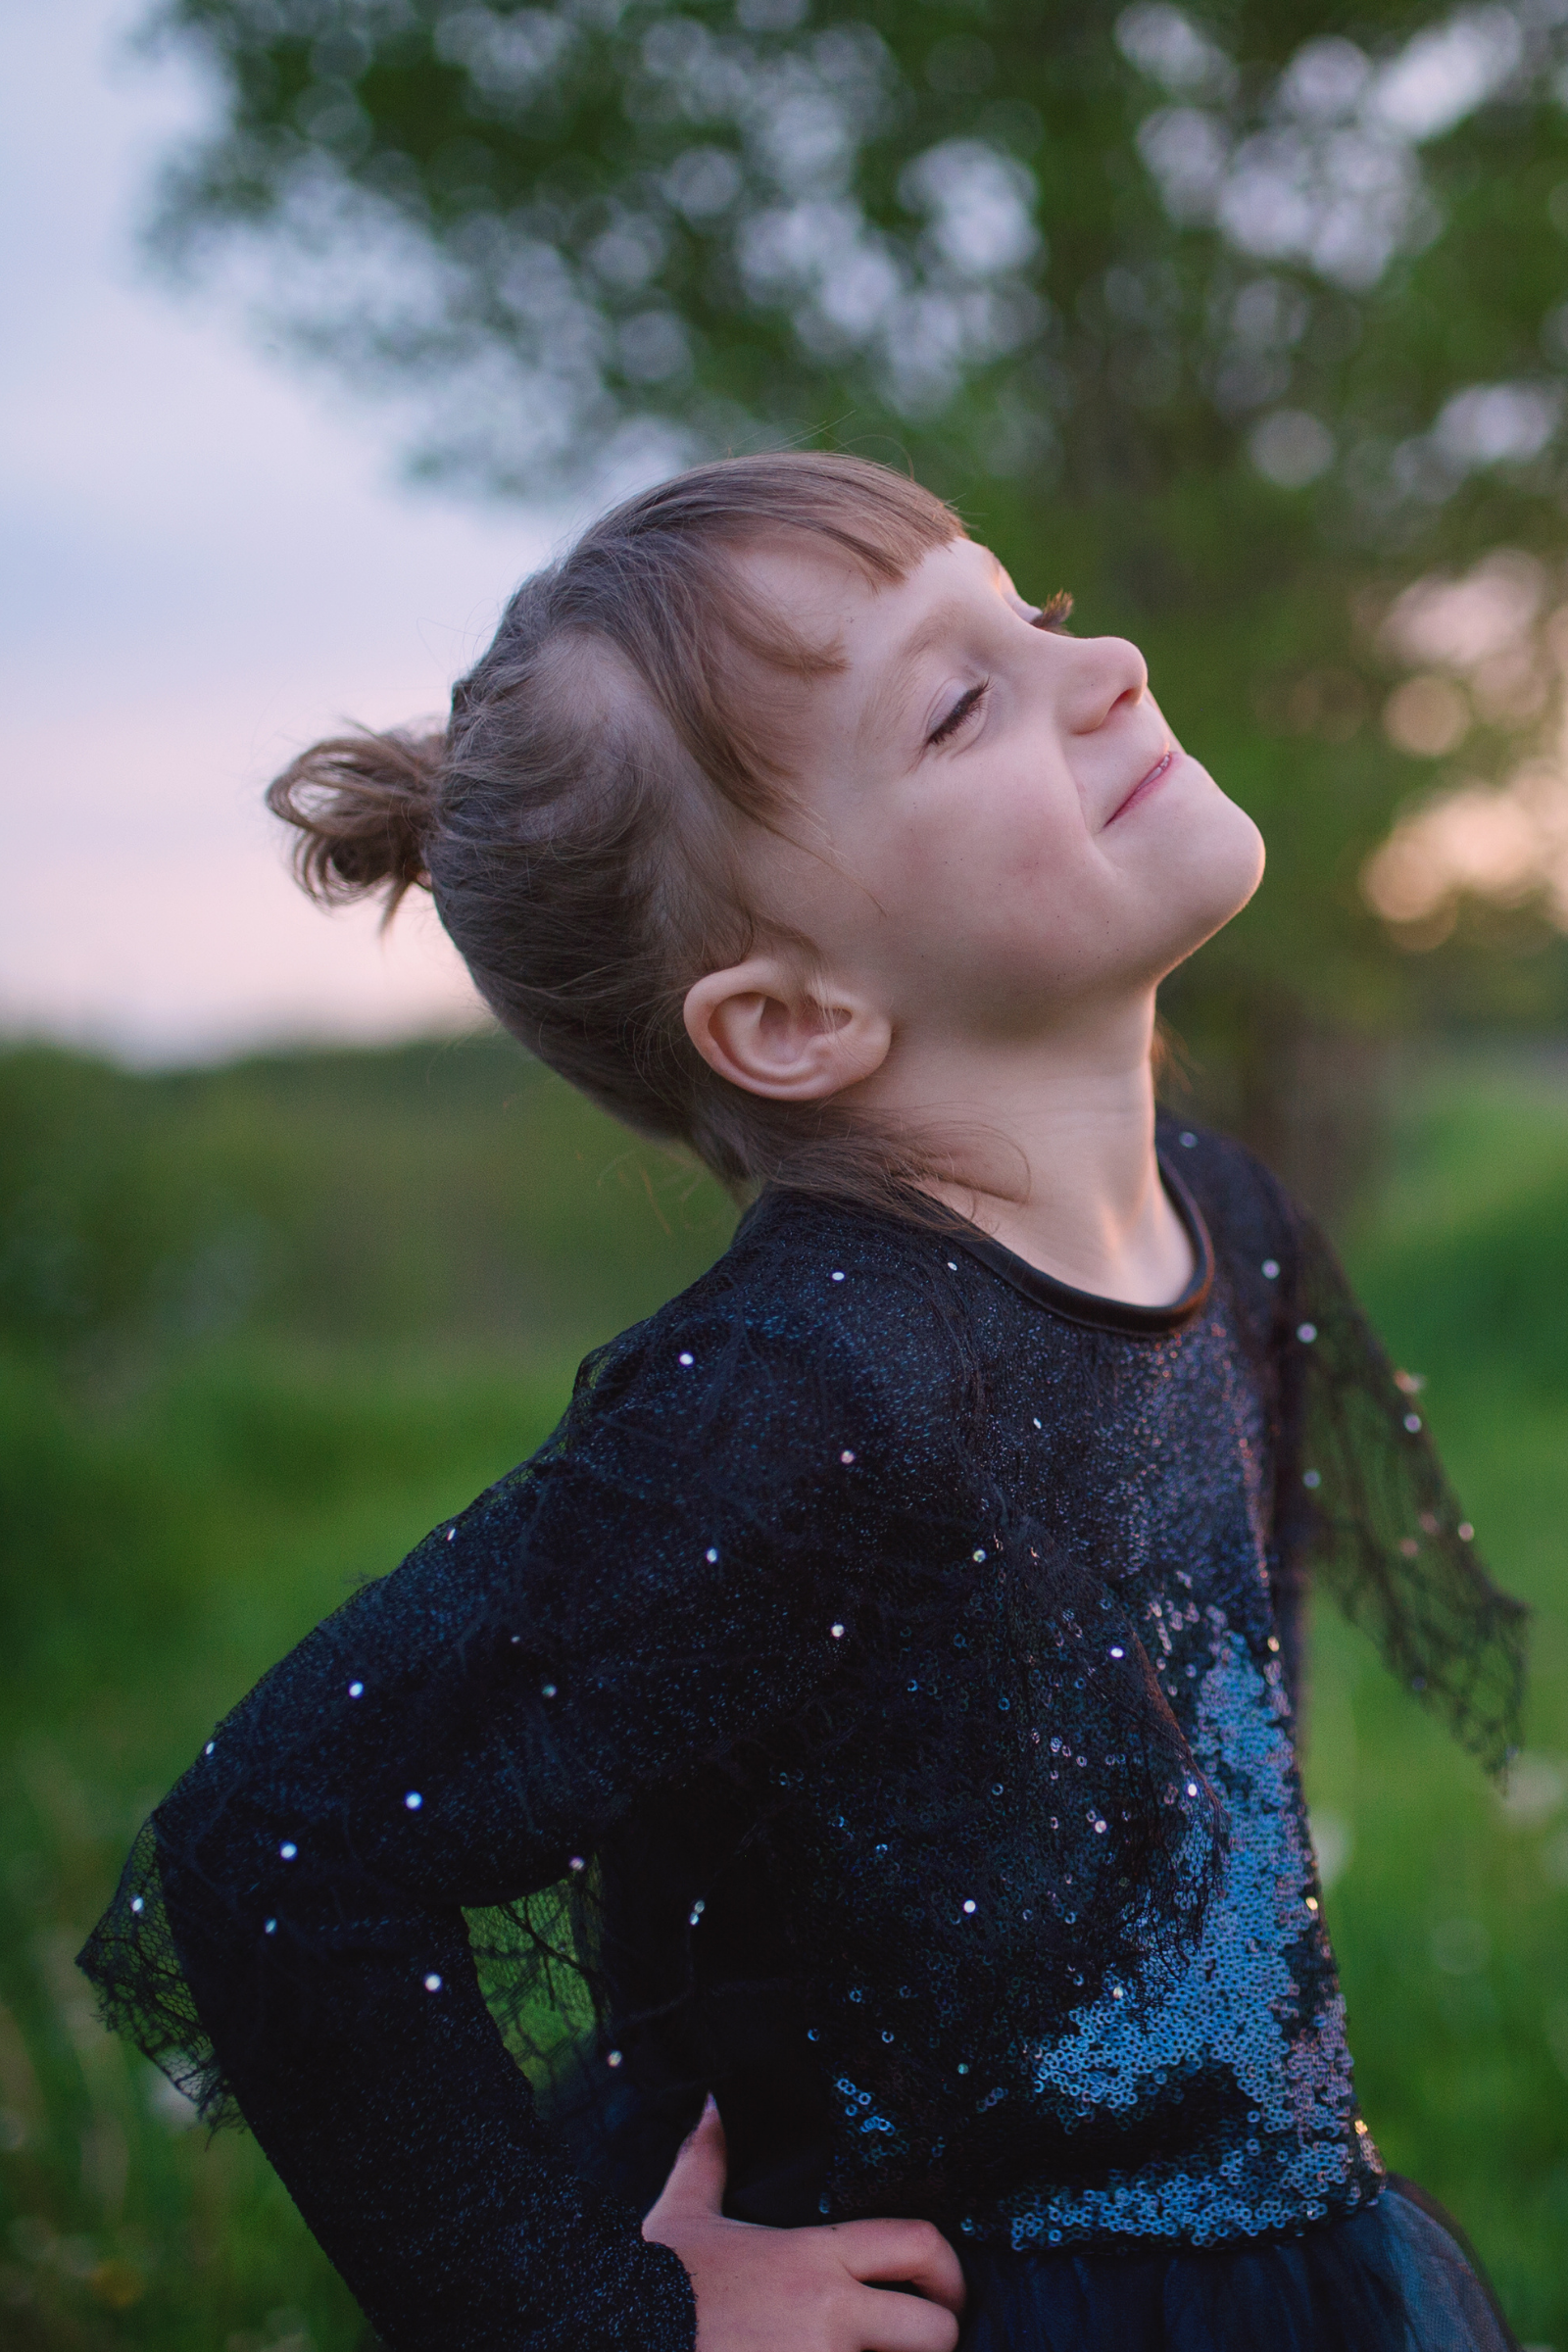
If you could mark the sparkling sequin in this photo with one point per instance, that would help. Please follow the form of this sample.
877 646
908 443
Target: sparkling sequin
1235 2013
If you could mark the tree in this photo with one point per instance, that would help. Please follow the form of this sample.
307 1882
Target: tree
1237 325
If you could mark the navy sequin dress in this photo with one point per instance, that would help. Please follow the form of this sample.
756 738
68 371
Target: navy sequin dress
875 1704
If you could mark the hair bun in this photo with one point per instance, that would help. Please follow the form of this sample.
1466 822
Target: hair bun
363 806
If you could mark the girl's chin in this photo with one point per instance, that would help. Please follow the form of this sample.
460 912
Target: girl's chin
1206 833
1250 852
1228 886
1205 876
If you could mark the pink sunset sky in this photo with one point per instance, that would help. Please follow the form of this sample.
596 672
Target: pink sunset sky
208 560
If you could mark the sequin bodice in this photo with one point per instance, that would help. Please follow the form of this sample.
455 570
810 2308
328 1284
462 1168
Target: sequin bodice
1207 2096
872 1705
1234 2090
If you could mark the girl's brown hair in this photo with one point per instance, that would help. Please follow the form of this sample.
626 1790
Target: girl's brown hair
579 821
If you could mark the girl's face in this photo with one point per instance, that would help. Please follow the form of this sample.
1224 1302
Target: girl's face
1000 824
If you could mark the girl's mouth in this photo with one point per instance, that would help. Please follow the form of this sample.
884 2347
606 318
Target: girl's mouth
1145 784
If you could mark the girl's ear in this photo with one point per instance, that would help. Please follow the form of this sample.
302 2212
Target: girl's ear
763 1028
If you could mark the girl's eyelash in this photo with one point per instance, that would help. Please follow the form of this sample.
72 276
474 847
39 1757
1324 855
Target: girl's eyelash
962 709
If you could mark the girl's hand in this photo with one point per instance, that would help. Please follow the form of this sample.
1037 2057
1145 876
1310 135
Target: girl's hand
801 2290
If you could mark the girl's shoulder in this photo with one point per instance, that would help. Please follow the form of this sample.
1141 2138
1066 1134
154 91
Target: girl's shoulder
815 1273
1255 1225
820 1319
1252 1219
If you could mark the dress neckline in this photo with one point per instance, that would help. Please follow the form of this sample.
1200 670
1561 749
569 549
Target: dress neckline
1088 1306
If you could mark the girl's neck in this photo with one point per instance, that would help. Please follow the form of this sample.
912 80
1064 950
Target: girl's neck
1060 1135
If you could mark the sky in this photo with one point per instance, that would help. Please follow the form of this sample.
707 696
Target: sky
208 560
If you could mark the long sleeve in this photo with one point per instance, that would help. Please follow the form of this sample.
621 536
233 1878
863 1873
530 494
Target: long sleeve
1362 1509
644 1601
1368 1515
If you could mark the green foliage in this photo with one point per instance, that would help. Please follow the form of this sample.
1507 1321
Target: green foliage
441 1233
1080 250
1478 1245
444 1190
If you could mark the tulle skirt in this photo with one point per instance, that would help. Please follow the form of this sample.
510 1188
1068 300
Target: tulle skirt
1398 2277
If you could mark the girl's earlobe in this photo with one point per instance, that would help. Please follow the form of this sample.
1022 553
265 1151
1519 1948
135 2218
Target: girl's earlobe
766 1028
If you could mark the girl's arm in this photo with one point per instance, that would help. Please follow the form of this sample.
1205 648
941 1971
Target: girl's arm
647 1597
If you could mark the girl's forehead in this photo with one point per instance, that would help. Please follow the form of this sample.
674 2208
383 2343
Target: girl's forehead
834 602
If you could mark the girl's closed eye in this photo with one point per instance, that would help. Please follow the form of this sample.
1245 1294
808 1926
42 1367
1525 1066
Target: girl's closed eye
967 703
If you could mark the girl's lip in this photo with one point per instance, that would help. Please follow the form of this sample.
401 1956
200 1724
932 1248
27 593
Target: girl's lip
1145 784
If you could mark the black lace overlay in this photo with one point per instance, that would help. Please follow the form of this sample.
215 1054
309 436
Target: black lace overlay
1366 1512
871 1705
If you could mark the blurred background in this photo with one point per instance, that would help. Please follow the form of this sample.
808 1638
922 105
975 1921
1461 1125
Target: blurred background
328 319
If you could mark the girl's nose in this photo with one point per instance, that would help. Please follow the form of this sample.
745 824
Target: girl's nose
1103 672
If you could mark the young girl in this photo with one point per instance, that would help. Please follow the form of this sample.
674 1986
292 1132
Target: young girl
851 1765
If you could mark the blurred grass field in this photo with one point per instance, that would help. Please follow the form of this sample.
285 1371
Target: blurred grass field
260 1327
